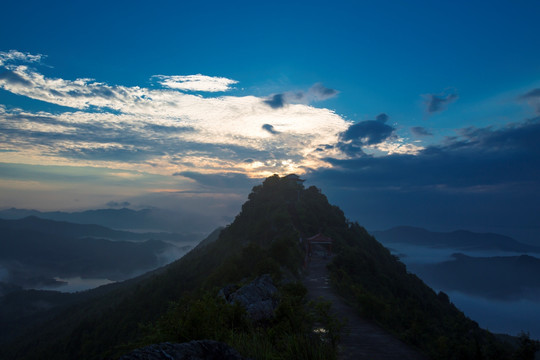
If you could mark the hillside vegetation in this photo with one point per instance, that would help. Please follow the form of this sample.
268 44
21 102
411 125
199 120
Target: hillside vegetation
179 302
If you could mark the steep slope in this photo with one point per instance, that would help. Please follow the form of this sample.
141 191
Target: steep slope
264 238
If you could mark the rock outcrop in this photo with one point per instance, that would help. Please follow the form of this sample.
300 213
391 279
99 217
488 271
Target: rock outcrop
259 297
193 350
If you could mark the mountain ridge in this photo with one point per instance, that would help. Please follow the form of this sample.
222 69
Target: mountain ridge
150 220
264 238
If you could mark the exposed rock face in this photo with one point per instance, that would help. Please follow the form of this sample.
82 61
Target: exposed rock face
193 350
259 297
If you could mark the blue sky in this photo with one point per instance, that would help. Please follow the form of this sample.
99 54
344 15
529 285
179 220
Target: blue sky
418 112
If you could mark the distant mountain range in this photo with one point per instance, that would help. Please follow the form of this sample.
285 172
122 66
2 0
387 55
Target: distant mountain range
69 229
150 220
461 240
498 277
33 252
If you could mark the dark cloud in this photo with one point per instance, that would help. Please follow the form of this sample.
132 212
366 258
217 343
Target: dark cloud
351 148
476 157
270 129
382 118
13 78
439 102
369 132
220 181
420 131
276 101
488 176
115 204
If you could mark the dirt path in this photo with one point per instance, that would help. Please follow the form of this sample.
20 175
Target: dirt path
361 339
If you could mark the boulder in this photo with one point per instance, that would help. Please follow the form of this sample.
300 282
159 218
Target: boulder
259 297
193 350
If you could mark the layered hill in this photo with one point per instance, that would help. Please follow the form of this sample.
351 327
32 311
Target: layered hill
123 219
462 240
35 252
80 230
498 277
264 238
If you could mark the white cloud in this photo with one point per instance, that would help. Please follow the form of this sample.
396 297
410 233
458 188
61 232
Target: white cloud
164 131
160 130
196 82
17 56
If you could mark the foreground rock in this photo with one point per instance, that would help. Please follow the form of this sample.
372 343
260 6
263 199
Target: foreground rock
193 350
259 297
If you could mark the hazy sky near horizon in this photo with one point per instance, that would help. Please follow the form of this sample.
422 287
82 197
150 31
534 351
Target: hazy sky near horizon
414 112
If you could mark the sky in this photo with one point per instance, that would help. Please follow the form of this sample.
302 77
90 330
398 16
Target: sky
403 112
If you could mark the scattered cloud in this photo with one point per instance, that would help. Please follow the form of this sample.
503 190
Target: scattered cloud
318 92
373 138
439 102
17 56
535 93
420 131
368 132
197 82
364 133
533 98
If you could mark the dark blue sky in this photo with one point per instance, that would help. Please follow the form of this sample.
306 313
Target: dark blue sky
418 112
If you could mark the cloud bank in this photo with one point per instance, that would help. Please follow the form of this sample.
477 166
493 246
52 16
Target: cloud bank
162 130
481 178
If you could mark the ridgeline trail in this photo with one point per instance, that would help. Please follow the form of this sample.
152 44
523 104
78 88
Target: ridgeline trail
361 339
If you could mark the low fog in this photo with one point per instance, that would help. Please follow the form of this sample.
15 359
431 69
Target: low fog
499 304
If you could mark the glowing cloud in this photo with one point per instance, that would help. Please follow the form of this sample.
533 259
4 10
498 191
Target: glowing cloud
161 130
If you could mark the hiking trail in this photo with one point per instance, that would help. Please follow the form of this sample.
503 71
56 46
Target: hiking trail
360 338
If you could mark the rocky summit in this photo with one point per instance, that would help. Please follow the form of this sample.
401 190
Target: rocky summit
258 297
